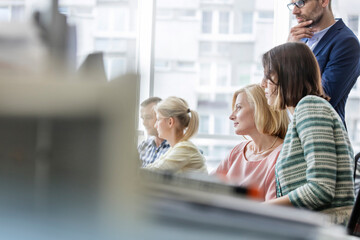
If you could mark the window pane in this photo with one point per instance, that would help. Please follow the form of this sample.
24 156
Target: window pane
223 49
103 19
120 20
17 13
353 21
115 67
220 125
187 13
162 65
205 71
185 65
224 19
247 22
222 75
243 75
105 44
205 47
164 13
206 22
266 15
220 151
204 127
4 14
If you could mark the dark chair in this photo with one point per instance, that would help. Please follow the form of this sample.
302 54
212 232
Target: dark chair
357 156
353 227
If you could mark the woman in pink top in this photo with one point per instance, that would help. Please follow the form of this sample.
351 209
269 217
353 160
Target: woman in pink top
252 162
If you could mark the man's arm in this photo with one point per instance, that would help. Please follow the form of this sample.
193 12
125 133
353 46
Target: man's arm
342 70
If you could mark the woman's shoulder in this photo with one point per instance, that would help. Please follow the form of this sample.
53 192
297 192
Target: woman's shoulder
312 100
276 151
314 105
186 143
237 150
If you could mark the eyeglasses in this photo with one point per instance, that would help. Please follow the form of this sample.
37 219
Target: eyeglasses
298 4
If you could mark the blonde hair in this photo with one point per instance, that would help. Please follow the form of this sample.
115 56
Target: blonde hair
178 108
267 120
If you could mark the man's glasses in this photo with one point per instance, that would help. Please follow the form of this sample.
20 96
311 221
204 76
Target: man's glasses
298 4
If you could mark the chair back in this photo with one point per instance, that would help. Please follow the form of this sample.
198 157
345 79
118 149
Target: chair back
353 227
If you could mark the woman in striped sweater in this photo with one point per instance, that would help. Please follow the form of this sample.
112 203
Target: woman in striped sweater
315 167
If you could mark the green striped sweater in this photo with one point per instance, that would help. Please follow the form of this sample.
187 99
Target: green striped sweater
315 166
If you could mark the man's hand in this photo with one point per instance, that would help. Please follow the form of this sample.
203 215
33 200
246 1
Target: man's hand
300 31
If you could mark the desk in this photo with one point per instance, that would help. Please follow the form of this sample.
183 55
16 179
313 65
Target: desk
183 212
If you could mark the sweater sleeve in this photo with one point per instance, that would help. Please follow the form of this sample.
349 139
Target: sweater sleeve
315 127
175 159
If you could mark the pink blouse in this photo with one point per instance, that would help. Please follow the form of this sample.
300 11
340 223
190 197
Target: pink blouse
237 170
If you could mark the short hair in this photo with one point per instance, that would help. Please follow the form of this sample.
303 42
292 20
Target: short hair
150 100
267 119
297 72
178 108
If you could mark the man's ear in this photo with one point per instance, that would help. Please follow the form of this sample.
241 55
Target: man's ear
325 3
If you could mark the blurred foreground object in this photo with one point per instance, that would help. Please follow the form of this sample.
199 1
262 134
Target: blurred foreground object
67 153
194 206
45 43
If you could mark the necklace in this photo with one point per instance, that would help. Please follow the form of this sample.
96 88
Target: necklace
261 152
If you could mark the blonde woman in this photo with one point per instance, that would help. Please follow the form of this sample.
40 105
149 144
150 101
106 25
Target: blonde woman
252 162
177 123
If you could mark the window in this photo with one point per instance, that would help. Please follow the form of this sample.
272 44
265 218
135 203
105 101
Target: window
223 75
266 15
164 14
205 48
204 149
224 22
113 45
114 67
247 22
243 75
204 127
223 49
207 18
112 1
4 14
162 64
353 21
221 102
17 13
220 151
220 125
112 19
186 14
185 66
205 74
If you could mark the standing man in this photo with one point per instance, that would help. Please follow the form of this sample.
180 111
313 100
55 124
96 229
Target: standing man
153 147
335 46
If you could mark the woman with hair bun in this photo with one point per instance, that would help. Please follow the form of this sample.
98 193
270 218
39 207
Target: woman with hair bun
177 123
